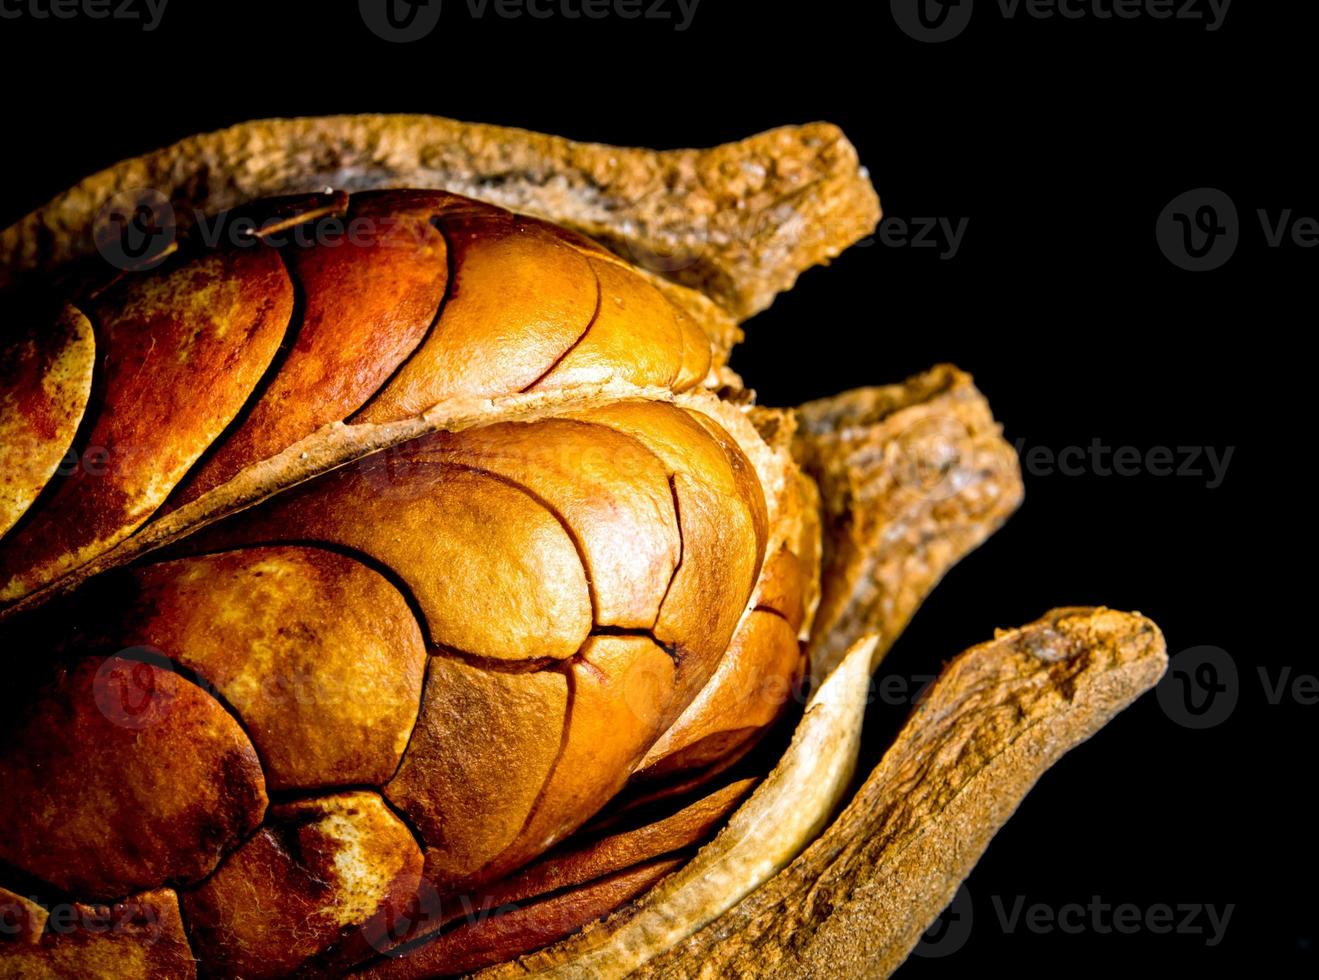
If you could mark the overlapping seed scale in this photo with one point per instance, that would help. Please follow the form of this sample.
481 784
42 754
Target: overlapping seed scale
145 768
637 310
750 690
369 299
120 775
177 354
544 559
611 493
317 655
488 939
722 519
623 690
753 684
493 572
45 381
319 870
557 894
574 737
575 580
485 745
515 540
637 336
371 310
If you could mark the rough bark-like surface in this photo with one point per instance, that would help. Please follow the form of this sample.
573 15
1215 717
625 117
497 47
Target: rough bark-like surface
737 222
912 477
857 900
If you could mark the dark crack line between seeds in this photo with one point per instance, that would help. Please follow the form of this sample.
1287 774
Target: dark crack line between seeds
289 340
590 325
92 412
450 288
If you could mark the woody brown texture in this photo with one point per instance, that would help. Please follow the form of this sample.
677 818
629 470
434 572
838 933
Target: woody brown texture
737 222
447 567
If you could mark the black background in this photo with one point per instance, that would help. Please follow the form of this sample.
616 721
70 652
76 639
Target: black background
1060 141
